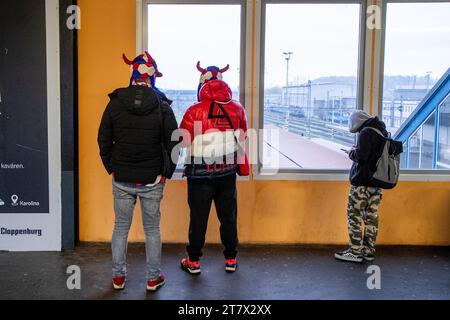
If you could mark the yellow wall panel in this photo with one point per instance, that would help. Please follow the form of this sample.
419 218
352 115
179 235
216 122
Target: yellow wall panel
269 211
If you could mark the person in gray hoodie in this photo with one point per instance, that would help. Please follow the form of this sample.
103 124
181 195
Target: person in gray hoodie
364 197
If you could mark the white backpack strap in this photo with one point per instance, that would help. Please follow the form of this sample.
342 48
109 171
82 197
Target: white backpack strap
377 131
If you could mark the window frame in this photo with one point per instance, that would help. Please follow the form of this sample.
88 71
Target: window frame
142 34
407 174
142 40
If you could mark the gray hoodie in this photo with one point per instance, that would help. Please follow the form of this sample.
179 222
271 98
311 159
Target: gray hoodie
357 119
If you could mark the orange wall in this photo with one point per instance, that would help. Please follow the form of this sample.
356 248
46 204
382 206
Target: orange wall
269 211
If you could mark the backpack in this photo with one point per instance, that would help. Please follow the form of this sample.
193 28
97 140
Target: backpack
387 169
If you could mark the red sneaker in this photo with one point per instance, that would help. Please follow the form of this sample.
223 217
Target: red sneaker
119 282
231 265
192 267
156 284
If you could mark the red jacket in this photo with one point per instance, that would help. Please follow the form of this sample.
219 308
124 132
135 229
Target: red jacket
211 132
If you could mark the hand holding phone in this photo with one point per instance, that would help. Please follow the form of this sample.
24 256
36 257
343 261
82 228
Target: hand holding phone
346 151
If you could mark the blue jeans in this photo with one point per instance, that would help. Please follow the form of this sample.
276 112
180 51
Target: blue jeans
125 196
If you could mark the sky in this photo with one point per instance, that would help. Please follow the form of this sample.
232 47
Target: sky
181 35
417 39
324 39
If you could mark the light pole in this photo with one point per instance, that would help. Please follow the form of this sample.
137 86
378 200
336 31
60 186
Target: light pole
428 79
287 57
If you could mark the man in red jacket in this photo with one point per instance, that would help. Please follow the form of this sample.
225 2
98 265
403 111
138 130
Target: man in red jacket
217 127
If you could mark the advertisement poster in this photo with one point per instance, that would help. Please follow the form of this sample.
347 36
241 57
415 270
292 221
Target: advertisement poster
23 117
29 143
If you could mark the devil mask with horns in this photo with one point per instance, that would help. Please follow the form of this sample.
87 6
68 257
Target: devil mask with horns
143 67
208 74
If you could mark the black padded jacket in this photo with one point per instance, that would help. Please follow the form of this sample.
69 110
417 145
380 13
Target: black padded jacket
130 136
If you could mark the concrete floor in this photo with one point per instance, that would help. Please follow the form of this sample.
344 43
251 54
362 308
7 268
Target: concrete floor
266 273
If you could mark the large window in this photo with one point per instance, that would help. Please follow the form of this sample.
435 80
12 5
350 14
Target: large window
311 58
179 35
417 51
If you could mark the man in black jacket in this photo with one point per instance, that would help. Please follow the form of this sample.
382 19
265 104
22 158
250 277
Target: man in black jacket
135 131
364 198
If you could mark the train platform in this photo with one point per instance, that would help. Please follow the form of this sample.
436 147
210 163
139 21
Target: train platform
288 151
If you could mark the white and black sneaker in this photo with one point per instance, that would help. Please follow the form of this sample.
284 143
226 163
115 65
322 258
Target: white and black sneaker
348 255
368 255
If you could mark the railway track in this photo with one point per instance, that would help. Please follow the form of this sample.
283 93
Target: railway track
312 128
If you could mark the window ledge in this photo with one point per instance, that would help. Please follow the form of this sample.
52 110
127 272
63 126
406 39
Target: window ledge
302 176
342 176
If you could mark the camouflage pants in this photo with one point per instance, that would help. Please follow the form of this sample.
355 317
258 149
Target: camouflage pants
363 205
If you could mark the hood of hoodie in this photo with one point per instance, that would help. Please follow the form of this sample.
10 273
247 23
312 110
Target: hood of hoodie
216 90
138 100
357 119
376 123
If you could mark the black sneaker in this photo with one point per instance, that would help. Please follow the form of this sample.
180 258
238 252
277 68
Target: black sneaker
349 256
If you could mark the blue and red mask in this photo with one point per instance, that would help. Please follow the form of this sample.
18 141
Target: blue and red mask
143 67
209 74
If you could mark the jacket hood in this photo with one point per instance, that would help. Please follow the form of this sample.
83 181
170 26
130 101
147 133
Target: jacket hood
357 119
216 90
376 123
138 100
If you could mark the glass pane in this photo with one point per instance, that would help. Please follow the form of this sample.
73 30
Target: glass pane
428 142
444 135
404 158
414 150
310 77
181 35
416 56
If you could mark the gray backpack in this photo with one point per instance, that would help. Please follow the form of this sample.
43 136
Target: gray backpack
387 169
